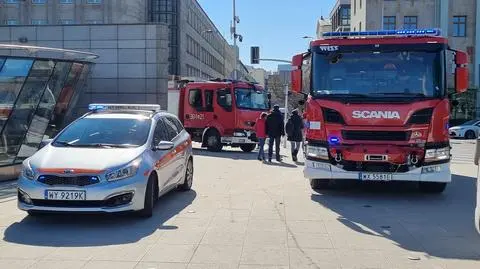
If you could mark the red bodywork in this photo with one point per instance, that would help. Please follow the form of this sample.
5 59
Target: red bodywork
436 132
226 121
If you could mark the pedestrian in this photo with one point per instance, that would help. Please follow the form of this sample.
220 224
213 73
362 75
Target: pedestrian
294 129
275 129
261 134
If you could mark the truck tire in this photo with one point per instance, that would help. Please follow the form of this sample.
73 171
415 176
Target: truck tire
470 134
213 141
248 147
432 187
319 184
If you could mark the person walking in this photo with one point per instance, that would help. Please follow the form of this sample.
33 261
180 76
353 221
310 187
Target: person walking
294 129
275 129
261 134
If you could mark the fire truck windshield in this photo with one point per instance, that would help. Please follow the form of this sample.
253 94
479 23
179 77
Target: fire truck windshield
250 98
399 74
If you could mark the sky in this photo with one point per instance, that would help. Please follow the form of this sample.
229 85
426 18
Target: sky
276 26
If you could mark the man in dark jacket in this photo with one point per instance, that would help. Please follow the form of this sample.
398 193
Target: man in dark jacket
275 130
294 129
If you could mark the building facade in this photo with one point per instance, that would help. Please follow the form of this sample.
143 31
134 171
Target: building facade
456 19
340 16
196 47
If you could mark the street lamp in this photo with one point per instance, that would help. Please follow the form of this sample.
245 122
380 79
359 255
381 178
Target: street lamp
233 31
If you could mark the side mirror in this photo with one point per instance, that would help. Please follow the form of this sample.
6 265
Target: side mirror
297 62
45 142
164 145
461 72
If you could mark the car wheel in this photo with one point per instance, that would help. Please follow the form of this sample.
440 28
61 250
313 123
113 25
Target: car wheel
150 199
188 179
248 147
213 140
319 184
470 134
432 187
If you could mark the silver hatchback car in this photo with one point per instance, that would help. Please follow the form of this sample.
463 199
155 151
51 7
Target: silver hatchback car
114 158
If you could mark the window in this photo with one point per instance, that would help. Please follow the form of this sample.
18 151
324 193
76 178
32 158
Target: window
66 1
410 22
170 128
224 99
360 26
208 98
38 2
11 1
360 6
39 22
195 98
94 22
459 26
12 22
389 23
94 2
345 16
177 123
160 133
66 21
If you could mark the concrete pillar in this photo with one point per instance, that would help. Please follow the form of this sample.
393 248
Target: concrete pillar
444 16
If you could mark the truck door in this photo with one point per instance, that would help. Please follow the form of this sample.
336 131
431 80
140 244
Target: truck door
194 112
208 109
224 110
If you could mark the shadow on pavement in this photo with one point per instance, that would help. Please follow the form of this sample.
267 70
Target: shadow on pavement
74 230
229 153
440 225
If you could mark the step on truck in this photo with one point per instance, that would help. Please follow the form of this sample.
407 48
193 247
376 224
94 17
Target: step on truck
218 112
378 106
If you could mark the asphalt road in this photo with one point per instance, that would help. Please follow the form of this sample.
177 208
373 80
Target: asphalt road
246 214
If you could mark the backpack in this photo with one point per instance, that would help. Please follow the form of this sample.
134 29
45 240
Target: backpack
289 127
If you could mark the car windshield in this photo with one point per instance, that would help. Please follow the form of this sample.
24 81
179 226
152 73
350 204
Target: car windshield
250 98
108 132
377 74
470 122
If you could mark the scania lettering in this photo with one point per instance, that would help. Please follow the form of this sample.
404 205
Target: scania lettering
376 114
377 106
218 113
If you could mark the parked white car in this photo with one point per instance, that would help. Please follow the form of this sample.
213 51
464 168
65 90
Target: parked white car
467 130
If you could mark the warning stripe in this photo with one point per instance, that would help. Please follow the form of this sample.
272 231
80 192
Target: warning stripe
71 171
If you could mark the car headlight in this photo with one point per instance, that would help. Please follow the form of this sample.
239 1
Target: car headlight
317 152
27 171
125 172
437 154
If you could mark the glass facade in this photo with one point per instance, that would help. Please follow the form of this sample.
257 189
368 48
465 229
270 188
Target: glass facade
36 100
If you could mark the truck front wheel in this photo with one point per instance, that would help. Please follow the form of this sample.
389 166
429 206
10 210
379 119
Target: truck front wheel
432 187
248 147
213 141
319 184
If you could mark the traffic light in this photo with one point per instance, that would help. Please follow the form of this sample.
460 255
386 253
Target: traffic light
254 55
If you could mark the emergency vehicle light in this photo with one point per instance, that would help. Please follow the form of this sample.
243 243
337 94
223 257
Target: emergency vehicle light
97 107
413 32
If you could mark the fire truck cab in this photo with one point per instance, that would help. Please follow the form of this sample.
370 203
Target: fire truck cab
378 106
219 112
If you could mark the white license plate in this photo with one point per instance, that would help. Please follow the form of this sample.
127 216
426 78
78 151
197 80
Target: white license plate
320 165
66 195
241 140
375 177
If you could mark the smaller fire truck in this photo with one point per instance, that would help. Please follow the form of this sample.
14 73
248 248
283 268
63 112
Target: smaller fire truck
218 112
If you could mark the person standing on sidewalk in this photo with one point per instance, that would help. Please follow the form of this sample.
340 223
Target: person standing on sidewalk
261 134
294 130
275 130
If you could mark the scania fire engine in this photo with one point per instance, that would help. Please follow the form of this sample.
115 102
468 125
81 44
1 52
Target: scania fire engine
219 112
378 107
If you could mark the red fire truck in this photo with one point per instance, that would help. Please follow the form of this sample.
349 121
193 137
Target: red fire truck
219 112
378 106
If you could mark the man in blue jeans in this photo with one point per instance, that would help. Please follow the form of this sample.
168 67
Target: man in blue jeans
275 129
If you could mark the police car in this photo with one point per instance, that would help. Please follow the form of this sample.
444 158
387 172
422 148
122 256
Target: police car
114 158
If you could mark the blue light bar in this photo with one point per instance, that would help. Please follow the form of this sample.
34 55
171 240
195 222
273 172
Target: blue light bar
112 107
413 32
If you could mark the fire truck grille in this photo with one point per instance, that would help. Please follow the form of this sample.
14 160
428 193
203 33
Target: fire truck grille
376 135
74 181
